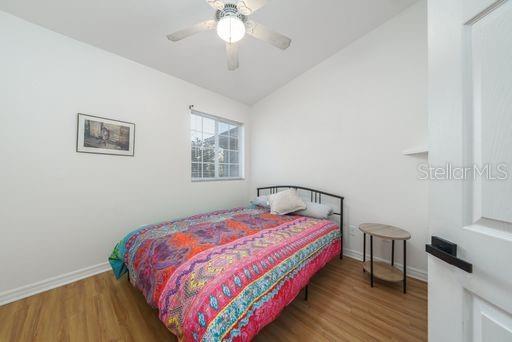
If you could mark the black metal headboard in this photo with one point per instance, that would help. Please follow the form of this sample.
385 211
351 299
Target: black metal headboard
316 195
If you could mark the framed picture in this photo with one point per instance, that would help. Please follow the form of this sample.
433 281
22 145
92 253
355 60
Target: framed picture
105 136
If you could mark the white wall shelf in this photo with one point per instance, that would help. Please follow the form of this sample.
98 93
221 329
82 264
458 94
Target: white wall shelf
423 149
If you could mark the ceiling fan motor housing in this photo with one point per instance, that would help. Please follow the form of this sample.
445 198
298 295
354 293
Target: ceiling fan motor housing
230 10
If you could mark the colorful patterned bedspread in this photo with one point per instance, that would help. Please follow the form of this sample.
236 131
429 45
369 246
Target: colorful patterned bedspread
223 276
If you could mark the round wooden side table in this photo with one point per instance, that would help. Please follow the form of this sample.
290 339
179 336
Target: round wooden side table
380 269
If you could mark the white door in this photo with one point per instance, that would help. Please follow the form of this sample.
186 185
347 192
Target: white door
470 99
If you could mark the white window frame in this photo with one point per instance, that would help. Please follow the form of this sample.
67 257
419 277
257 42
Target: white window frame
241 148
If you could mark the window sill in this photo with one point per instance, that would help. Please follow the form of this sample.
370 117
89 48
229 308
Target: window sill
203 180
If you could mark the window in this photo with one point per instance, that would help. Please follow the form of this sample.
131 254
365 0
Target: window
216 147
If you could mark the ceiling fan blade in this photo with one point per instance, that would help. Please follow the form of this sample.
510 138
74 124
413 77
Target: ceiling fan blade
232 52
248 7
260 32
217 4
199 27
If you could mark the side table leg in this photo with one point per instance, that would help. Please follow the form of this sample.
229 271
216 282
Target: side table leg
392 252
364 249
405 269
371 259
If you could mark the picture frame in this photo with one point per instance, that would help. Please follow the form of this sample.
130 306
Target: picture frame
99 135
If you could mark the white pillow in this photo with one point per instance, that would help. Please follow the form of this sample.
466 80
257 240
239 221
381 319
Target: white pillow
285 202
261 201
316 210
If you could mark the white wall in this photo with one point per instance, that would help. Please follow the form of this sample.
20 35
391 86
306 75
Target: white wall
61 211
342 126
339 127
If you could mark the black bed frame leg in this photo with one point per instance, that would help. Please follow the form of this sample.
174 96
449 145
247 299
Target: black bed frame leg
341 251
306 293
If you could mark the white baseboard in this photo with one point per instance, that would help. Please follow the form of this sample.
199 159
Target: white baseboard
51 283
411 271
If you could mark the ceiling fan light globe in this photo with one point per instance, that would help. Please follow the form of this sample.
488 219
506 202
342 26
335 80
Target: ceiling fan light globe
231 29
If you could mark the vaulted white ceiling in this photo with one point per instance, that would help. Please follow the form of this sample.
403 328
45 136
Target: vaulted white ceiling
136 29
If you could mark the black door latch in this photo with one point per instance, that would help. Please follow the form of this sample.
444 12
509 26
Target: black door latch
447 251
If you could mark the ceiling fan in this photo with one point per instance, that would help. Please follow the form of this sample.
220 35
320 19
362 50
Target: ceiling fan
232 24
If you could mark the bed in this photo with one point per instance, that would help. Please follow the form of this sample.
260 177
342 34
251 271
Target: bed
223 276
